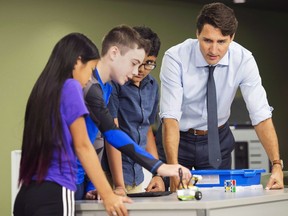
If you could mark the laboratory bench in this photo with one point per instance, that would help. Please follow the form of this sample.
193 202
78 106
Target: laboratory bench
214 202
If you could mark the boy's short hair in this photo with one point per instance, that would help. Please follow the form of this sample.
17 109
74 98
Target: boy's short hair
125 38
148 34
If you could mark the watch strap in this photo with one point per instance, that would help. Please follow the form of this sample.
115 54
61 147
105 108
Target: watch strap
280 162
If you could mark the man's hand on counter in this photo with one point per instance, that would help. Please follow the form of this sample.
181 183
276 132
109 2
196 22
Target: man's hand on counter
276 179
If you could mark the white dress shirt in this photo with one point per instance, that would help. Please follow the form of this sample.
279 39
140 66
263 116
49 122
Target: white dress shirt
184 78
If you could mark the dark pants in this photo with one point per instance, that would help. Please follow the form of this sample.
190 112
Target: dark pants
80 191
193 149
45 199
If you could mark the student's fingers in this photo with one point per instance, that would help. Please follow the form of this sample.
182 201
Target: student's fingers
121 211
156 184
114 213
152 188
120 208
152 184
114 205
149 187
91 195
186 173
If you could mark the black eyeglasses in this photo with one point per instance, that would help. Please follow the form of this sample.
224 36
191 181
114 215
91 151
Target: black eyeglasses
149 65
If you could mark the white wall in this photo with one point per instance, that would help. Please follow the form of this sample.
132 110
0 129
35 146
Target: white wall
15 164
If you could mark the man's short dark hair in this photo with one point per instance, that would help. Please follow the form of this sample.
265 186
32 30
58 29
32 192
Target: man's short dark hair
219 16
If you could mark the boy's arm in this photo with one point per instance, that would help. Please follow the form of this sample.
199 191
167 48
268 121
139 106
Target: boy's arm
115 165
119 139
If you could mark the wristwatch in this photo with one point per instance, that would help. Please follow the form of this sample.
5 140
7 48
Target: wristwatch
280 162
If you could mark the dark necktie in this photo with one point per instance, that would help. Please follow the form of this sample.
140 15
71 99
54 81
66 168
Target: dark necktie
215 158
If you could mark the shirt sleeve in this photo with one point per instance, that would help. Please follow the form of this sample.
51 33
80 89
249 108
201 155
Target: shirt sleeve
254 93
72 106
171 88
117 138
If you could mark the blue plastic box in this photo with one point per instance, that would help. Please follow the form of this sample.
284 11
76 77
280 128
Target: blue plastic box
216 178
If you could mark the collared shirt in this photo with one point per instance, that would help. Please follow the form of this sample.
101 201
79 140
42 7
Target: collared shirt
184 76
136 110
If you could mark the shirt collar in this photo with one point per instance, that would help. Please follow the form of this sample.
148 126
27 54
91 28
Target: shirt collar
97 76
147 79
